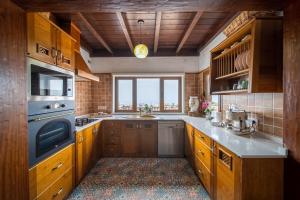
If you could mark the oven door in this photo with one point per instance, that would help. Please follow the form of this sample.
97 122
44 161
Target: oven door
49 82
48 134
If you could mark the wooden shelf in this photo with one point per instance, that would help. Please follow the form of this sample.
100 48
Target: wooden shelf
231 91
233 48
235 74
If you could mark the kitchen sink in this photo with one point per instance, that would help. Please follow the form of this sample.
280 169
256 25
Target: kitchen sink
139 117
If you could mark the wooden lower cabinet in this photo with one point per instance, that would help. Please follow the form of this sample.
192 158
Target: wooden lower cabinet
53 177
130 138
88 150
227 176
60 189
148 138
189 144
247 178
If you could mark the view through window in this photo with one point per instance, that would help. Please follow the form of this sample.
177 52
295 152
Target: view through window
161 94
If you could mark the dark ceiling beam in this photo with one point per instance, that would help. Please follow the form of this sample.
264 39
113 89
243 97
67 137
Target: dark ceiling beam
221 26
125 30
157 29
189 30
150 5
161 52
94 32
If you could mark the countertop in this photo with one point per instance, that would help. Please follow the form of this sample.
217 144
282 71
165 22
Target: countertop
257 145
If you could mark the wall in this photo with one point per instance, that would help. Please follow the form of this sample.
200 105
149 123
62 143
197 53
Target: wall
102 93
94 96
83 97
147 65
204 57
13 104
291 84
191 88
267 108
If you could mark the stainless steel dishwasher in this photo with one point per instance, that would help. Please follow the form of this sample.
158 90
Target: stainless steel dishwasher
170 138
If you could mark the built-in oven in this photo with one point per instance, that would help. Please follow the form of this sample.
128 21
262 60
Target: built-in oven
49 82
49 132
51 106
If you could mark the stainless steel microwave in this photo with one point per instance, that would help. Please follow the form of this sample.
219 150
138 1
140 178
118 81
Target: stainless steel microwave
49 82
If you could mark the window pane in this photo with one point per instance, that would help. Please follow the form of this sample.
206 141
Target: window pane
148 93
125 94
171 94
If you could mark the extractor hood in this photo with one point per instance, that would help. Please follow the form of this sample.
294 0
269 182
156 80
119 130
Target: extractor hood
82 70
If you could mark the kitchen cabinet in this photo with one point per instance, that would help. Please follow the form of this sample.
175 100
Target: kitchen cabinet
53 177
247 178
130 138
88 150
253 55
97 143
111 133
227 176
148 135
48 43
189 144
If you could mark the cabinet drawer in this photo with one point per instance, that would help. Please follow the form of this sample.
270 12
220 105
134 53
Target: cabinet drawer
203 138
203 153
203 174
111 124
49 170
111 150
60 189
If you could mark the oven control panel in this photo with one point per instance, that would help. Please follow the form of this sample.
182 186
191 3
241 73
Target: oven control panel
42 107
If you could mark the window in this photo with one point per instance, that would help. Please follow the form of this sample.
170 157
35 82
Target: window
125 91
162 94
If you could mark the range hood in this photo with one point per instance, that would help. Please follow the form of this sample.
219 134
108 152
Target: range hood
82 70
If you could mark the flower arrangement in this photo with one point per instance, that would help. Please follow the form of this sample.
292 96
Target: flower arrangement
207 107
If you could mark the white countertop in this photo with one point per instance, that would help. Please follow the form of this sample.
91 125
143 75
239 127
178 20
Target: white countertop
247 146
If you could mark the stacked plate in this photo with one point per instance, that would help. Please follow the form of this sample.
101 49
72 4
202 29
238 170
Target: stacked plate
242 61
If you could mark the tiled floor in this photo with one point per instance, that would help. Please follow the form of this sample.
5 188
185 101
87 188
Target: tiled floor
140 178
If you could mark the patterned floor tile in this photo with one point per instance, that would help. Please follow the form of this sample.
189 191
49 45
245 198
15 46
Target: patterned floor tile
140 178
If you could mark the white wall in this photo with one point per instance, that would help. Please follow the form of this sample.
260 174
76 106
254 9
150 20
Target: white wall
204 58
147 65
86 57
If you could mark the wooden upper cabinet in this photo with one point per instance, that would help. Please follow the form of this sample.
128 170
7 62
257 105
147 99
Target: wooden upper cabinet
48 43
252 54
41 38
65 51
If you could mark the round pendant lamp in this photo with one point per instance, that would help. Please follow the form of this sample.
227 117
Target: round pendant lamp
140 50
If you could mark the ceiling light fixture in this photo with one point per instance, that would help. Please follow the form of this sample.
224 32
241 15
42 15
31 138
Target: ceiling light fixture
140 50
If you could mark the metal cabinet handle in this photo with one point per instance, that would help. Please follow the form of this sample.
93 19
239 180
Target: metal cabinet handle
57 193
57 167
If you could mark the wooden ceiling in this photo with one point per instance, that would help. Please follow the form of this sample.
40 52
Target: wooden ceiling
177 27
165 33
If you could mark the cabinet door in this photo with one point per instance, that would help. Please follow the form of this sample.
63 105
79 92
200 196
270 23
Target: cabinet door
189 144
97 143
87 147
130 144
65 50
41 38
225 175
79 157
148 135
